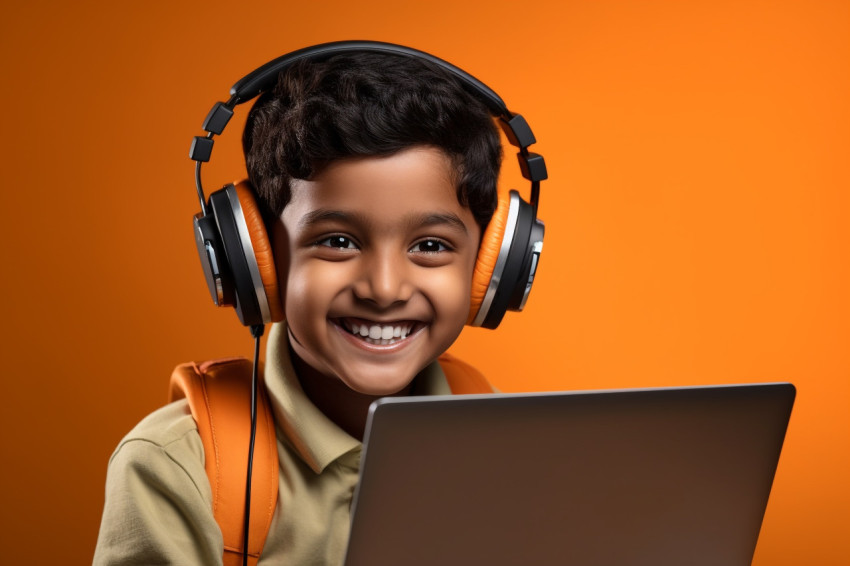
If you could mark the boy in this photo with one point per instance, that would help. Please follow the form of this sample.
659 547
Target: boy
376 175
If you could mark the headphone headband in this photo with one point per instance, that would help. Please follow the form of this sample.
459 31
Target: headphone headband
260 80
265 77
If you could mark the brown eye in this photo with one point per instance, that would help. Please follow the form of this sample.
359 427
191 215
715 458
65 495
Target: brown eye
338 242
429 246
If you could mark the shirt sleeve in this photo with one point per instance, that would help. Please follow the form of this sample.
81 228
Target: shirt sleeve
158 506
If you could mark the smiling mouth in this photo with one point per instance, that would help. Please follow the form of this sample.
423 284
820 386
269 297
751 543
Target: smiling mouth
378 333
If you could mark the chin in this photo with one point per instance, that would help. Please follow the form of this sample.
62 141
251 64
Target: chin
381 382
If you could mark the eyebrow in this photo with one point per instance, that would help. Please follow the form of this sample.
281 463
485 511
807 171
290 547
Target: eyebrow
326 215
429 219
435 219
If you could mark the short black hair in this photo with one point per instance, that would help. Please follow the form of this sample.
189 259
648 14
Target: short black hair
368 104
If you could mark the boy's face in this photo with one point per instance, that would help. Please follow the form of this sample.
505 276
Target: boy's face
376 257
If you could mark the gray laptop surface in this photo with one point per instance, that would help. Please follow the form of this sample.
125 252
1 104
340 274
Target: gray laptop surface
656 477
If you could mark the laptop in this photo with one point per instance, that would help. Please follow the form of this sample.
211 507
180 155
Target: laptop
655 477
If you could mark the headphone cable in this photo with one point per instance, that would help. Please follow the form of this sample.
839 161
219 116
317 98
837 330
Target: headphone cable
256 332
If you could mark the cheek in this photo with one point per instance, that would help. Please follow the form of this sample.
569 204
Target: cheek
311 289
449 294
304 290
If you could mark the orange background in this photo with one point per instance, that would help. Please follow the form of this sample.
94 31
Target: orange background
696 219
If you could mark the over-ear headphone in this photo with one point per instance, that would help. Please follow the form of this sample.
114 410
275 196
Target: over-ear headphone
234 247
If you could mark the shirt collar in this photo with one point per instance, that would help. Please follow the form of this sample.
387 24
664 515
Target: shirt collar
314 437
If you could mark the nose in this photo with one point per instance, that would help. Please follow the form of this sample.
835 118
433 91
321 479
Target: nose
384 279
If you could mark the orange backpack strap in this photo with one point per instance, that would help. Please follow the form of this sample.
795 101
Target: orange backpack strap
462 377
219 395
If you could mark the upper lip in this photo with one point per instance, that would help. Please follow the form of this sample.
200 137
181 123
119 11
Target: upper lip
387 322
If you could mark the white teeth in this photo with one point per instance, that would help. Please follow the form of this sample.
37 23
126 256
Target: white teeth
380 334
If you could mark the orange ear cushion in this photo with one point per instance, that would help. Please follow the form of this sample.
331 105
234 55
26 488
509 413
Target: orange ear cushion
262 248
488 253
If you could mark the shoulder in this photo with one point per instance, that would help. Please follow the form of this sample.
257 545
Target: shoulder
158 497
164 427
166 439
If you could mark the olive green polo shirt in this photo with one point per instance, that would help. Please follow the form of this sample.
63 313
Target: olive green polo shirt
158 507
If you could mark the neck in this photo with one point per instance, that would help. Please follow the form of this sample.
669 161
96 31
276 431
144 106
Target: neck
346 407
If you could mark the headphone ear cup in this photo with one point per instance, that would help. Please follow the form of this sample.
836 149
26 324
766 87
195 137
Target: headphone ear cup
506 266
262 249
488 255
249 263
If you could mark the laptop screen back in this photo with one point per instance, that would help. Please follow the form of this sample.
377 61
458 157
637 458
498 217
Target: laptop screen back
651 477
